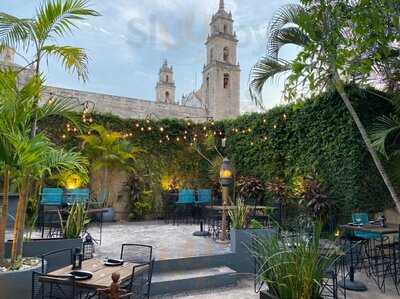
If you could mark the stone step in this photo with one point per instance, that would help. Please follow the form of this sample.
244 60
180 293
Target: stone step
196 279
198 262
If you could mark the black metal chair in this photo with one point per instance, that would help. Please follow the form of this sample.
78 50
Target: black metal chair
136 253
140 282
330 286
56 259
45 286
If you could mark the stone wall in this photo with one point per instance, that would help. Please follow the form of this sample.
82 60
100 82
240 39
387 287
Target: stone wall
129 107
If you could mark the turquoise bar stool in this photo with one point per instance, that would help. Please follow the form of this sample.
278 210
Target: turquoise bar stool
186 196
362 219
77 196
52 196
204 196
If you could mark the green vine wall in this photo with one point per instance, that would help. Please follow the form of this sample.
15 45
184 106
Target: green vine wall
288 141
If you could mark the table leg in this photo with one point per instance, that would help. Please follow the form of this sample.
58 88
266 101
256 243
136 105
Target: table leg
350 283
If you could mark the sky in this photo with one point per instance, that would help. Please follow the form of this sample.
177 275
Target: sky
129 42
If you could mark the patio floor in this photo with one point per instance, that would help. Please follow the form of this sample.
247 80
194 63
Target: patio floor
168 241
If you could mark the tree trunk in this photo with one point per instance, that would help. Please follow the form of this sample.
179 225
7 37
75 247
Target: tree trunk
18 234
378 163
4 214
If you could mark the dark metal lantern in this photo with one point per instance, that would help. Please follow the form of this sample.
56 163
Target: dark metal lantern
226 173
88 247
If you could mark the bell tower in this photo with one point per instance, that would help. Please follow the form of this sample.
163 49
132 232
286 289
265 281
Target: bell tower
221 74
165 88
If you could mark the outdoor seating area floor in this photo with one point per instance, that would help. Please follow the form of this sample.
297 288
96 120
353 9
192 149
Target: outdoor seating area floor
245 290
169 241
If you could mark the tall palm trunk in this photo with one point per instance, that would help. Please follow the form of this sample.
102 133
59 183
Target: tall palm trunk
378 163
4 213
18 234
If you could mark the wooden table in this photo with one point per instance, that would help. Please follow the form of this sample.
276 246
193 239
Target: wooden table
101 274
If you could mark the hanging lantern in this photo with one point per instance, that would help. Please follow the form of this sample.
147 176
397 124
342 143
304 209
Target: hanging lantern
226 173
88 247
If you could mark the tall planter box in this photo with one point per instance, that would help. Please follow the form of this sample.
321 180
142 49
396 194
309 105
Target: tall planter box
241 242
36 248
17 284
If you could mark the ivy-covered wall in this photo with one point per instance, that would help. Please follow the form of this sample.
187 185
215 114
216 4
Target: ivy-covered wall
289 141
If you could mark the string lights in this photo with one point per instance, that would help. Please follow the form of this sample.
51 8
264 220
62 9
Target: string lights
190 134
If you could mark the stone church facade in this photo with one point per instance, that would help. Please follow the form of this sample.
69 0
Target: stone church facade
218 98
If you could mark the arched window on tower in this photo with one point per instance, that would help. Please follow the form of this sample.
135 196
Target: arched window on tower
207 85
226 54
211 55
225 28
226 81
167 97
167 78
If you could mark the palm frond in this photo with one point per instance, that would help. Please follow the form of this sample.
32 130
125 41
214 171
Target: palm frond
385 133
59 17
73 59
267 68
286 36
60 107
285 16
14 31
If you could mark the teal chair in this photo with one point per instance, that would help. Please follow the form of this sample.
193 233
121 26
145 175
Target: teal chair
186 196
52 196
362 219
77 196
204 196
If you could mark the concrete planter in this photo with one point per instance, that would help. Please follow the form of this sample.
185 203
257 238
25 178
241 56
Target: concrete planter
241 242
36 248
17 284
242 239
108 216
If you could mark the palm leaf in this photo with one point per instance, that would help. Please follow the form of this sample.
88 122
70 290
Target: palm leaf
14 31
267 68
286 36
73 59
59 17
385 132
286 15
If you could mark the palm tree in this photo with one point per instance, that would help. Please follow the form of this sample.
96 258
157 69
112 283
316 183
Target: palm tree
54 19
26 158
287 27
283 30
108 151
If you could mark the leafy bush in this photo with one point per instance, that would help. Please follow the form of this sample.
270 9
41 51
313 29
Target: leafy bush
142 206
251 189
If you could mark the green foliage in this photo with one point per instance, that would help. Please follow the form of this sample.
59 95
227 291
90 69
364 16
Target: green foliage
255 224
293 272
251 189
142 206
239 214
317 134
76 222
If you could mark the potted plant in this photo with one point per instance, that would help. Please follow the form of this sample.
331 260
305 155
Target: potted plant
292 272
108 151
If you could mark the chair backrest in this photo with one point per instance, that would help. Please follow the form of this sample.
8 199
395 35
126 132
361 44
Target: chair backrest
360 218
140 282
204 196
56 259
186 196
77 196
45 286
52 196
136 253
